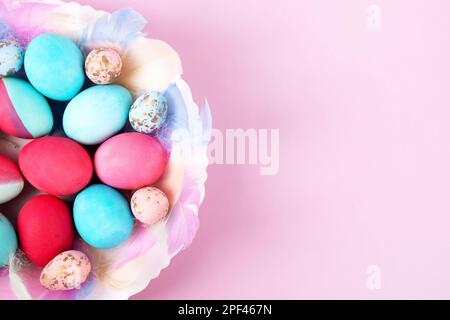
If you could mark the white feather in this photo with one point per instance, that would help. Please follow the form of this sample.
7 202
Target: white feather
15 282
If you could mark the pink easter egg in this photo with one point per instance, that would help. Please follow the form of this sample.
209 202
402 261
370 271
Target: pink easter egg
11 181
130 161
149 205
67 271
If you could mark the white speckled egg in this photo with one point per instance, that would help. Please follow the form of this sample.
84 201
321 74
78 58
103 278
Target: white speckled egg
67 271
148 112
11 57
149 205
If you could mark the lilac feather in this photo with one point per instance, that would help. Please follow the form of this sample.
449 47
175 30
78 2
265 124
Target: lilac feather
183 222
177 116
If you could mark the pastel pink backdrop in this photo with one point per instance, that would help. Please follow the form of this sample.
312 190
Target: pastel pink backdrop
365 147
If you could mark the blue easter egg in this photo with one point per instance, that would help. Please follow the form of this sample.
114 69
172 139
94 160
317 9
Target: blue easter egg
148 112
11 57
102 217
8 241
97 113
54 66
24 113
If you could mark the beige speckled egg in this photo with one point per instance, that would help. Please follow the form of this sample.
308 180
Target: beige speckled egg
103 65
67 271
149 205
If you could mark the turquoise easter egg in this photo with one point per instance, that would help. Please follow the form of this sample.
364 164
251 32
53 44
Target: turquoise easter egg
102 217
97 113
54 66
24 113
8 241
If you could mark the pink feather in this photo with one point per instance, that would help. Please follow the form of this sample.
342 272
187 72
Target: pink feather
183 221
25 21
140 242
5 291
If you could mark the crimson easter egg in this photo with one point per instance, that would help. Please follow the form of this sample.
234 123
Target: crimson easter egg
11 181
56 165
130 161
45 229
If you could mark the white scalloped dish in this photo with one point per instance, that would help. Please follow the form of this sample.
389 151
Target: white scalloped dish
150 64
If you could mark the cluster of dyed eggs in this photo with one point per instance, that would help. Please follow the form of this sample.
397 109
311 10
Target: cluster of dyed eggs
95 113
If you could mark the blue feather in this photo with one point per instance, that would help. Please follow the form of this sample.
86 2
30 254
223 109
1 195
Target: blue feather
5 33
120 27
177 116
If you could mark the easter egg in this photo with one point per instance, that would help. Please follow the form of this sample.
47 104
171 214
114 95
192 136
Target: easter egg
148 112
11 57
103 65
11 181
67 271
45 229
56 165
24 113
54 66
8 241
149 205
97 113
102 217
130 161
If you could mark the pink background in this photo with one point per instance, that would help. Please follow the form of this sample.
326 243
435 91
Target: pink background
365 155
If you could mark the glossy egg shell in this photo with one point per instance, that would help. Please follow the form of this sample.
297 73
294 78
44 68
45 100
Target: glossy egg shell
130 161
56 165
11 57
45 229
24 113
55 66
8 240
97 113
149 112
67 271
11 181
102 217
